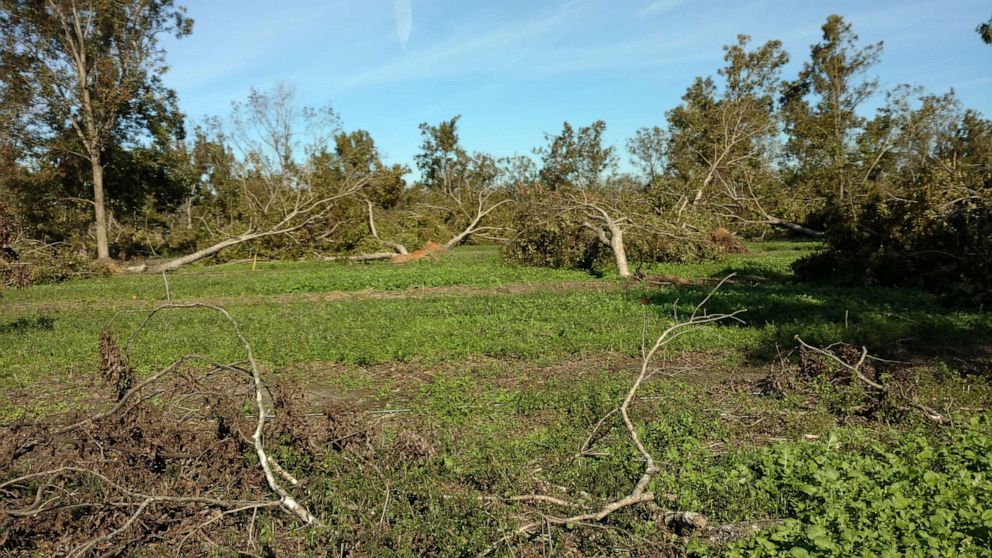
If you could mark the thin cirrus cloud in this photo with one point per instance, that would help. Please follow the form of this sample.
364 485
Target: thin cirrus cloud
439 57
403 12
658 7
541 38
540 44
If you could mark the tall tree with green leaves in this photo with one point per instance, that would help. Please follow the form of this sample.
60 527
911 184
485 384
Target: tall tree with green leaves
89 73
985 31
719 130
576 157
442 161
648 149
360 158
821 111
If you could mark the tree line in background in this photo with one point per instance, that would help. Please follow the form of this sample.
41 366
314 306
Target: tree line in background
98 171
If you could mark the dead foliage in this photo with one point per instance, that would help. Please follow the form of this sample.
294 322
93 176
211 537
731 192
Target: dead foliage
429 250
167 471
854 383
173 465
727 242
114 367
182 463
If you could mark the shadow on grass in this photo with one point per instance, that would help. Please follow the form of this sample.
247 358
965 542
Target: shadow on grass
752 273
22 325
888 321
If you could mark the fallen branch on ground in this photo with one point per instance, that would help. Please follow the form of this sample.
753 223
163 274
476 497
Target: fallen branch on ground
640 493
929 413
160 465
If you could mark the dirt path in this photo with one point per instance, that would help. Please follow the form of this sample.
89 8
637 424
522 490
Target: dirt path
585 285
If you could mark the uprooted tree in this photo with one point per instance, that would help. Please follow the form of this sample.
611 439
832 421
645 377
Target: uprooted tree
611 225
458 197
273 183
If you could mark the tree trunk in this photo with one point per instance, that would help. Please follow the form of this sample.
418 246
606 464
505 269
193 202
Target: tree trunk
457 239
794 227
395 246
176 263
363 257
102 246
619 252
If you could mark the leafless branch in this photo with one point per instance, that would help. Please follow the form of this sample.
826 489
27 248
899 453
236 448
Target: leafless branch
639 494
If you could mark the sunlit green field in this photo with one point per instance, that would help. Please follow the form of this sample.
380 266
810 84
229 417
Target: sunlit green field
467 304
510 366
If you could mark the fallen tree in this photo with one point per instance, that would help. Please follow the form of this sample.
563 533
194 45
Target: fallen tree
266 182
307 209
607 221
471 208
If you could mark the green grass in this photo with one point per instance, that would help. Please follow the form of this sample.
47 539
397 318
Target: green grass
898 486
505 383
42 341
472 266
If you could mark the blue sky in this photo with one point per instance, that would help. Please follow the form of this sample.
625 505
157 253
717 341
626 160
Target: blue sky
515 69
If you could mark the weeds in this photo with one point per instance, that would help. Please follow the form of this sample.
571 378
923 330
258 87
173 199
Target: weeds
412 422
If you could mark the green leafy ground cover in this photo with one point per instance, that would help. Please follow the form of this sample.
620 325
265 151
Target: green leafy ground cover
501 372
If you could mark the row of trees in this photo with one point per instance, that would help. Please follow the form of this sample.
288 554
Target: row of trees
96 157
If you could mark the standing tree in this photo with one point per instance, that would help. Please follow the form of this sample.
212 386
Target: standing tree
821 112
985 31
441 160
722 147
576 157
718 132
358 156
90 72
462 188
649 153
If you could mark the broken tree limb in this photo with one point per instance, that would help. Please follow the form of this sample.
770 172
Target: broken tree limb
395 246
640 493
740 192
482 208
794 227
374 256
264 461
929 413
474 206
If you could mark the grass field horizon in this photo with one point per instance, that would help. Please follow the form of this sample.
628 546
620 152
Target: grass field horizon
502 370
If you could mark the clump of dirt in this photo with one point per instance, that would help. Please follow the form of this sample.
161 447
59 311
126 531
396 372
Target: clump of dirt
817 377
170 467
429 250
727 242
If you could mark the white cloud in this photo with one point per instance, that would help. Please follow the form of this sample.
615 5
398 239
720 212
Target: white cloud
403 13
658 7
449 55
